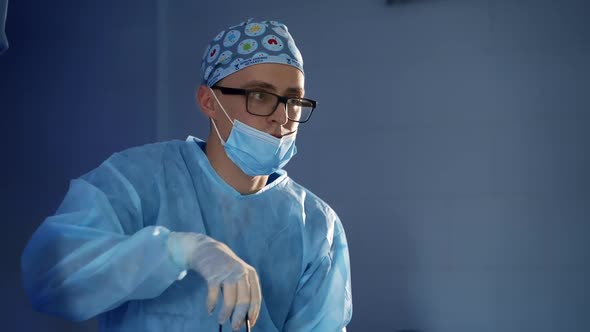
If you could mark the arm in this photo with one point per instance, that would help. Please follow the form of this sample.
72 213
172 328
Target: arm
94 253
323 301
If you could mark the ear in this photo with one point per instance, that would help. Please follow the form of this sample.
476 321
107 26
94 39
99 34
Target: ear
206 101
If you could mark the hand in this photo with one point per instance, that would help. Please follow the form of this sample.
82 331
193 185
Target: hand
221 267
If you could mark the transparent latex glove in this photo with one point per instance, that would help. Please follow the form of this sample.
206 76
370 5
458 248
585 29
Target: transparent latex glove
221 268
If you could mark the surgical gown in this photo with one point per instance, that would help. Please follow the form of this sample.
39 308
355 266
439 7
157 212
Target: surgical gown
103 254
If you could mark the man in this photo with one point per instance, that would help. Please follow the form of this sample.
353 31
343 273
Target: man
264 247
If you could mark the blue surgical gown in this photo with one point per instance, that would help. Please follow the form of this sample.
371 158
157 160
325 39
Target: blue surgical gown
103 254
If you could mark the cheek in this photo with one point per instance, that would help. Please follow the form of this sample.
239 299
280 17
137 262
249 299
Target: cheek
235 111
224 127
235 108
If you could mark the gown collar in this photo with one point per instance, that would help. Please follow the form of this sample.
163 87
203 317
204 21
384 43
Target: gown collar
199 151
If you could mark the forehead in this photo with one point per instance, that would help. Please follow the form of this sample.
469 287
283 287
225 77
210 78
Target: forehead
278 75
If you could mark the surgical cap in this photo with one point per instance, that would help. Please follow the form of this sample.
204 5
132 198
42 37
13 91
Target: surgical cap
246 44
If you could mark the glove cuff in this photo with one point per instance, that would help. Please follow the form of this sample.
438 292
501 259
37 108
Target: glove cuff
176 251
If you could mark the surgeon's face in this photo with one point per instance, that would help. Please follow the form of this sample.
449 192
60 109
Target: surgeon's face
280 79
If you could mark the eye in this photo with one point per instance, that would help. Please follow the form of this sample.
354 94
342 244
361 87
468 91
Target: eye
259 96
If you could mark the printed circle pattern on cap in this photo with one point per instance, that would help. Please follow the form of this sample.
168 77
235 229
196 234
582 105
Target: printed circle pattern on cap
246 44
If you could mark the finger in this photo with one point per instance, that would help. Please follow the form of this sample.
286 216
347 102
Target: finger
242 303
229 302
212 298
255 297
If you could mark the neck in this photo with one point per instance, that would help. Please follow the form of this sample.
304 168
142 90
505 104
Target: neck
228 171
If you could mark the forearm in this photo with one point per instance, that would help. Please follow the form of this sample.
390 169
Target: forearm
78 272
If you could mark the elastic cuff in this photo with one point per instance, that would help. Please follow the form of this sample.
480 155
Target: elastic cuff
170 266
176 252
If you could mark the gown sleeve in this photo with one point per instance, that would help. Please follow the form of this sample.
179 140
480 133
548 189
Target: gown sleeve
323 300
94 253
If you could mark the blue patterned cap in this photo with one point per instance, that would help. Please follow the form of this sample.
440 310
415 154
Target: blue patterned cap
246 44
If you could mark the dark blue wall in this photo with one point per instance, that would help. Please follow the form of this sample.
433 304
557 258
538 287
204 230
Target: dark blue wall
76 84
452 139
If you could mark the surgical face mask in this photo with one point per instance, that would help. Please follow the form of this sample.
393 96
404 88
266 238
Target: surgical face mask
253 151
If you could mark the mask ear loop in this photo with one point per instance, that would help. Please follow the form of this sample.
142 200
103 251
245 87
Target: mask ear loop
219 103
224 112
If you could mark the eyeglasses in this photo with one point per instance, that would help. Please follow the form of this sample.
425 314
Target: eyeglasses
264 103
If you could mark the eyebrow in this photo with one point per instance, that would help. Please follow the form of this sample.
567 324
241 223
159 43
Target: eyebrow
268 86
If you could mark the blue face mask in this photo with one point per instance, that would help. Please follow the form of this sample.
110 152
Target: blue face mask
256 152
